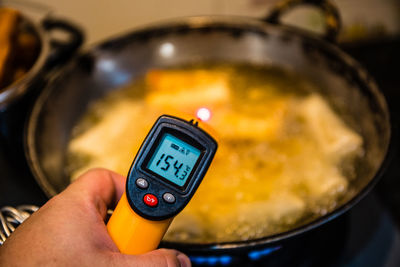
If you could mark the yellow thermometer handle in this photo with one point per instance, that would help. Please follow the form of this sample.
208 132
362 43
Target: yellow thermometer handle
132 233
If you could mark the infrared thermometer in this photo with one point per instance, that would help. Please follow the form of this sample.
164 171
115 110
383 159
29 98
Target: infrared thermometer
164 176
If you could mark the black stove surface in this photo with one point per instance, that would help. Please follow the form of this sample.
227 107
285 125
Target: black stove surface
367 235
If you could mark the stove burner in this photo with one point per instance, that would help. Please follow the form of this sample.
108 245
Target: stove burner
11 218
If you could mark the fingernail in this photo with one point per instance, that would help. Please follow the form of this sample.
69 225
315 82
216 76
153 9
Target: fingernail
184 260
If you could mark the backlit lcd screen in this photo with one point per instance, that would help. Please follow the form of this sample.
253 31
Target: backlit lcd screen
173 159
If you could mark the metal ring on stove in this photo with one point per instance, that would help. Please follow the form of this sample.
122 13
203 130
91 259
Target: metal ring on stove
11 218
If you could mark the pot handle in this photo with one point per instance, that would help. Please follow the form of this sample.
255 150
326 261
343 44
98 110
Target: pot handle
331 13
62 50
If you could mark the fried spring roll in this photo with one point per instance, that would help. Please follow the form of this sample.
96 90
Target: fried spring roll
8 30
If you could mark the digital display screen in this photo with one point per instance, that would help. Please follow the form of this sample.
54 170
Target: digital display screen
173 159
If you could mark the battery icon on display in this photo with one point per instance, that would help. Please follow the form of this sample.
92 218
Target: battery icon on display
176 147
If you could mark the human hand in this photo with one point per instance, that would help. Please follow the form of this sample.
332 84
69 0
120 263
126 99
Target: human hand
69 230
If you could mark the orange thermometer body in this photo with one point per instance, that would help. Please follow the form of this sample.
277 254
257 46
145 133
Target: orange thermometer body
164 176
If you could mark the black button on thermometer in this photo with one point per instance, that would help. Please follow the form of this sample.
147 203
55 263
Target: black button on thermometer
164 176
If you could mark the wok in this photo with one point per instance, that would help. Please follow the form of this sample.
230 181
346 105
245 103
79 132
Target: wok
51 52
349 89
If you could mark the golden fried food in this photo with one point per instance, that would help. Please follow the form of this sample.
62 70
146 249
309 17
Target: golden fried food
19 47
9 19
280 155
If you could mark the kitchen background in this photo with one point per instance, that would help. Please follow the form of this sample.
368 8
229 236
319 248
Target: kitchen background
362 19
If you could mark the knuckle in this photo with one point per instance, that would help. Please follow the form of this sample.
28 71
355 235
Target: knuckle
169 258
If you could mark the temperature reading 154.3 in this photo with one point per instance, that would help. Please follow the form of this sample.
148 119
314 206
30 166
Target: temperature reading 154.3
166 163
173 159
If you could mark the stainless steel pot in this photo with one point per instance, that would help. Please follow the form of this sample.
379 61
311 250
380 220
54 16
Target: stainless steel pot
114 63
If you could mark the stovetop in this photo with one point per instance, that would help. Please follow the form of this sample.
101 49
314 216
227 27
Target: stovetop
371 236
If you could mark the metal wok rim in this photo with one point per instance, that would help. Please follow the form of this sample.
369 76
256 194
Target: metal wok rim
234 22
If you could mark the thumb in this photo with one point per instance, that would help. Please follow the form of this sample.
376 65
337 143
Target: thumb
156 258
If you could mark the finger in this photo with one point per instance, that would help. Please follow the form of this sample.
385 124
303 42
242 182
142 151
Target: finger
100 186
156 258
